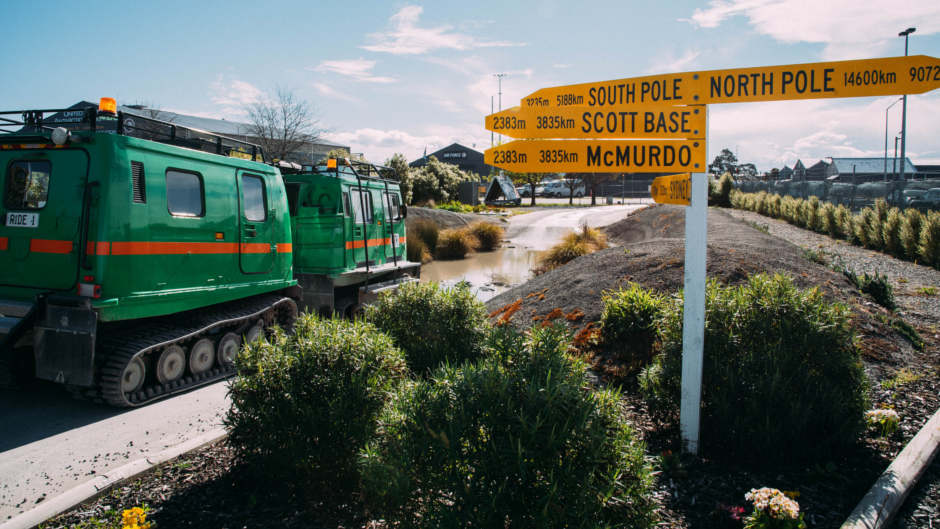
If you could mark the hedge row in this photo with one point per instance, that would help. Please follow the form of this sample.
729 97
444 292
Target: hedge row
906 234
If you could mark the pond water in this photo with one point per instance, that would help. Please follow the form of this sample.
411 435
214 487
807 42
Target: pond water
489 273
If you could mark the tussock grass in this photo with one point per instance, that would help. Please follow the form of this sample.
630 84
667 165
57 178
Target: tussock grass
581 242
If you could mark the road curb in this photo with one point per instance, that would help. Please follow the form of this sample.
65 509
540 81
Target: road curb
884 498
101 484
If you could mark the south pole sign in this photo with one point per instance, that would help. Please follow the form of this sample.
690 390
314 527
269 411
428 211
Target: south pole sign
914 74
592 113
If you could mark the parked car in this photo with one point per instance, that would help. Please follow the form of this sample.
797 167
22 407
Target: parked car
930 200
911 195
561 189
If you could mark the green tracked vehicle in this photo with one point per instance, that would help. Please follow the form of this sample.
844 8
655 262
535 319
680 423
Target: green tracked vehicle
136 256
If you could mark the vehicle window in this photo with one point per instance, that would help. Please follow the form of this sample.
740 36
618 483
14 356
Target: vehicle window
347 210
184 195
396 205
253 200
27 184
362 217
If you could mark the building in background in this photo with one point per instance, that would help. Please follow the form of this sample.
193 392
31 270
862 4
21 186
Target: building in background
862 170
465 158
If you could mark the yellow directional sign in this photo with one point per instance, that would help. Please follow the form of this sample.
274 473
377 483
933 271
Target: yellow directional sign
672 189
647 121
859 78
600 156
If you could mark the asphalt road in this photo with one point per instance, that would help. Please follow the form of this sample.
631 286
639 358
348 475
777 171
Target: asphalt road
51 443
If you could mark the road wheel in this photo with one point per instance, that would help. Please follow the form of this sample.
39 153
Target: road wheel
255 332
132 379
171 364
228 348
201 356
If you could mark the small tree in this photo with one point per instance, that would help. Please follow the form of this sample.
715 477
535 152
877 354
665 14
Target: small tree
529 179
402 172
726 161
282 123
436 181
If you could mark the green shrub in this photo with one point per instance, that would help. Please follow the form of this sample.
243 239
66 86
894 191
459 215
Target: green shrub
814 219
514 440
425 229
911 227
487 234
874 225
630 324
455 206
864 226
781 372
878 287
891 233
830 220
304 405
845 221
930 240
432 324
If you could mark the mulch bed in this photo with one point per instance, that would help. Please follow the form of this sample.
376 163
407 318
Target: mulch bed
207 489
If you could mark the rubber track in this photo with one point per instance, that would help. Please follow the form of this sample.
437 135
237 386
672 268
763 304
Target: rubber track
118 348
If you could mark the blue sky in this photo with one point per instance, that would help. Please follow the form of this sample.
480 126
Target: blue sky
390 77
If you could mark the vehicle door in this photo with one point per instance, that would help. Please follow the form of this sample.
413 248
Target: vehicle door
393 225
257 247
363 226
42 211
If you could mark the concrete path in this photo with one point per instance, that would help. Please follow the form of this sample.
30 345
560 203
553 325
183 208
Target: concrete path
51 443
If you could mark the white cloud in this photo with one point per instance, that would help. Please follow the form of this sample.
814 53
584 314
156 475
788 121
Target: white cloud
407 38
378 145
849 29
358 69
776 133
669 62
328 91
234 94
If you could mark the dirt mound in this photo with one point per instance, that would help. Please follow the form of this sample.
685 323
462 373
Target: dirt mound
651 252
448 219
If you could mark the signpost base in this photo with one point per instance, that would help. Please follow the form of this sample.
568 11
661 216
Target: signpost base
693 313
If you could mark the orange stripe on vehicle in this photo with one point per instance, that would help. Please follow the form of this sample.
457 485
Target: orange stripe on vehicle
255 247
98 248
3 243
372 242
50 246
285 247
171 248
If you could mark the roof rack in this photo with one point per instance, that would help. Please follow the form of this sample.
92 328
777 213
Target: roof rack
36 123
355 168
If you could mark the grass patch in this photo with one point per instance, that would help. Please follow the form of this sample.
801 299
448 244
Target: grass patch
909 333
927 291
455 244
901 378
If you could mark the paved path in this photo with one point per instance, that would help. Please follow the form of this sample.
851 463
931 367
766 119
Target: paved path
50 442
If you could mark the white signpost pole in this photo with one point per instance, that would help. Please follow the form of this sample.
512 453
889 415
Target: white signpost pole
693 312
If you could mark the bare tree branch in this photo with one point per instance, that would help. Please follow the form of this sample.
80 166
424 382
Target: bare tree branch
282 124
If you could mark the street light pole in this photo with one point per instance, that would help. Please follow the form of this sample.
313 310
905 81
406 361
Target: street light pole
904 34
499 91
886 137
